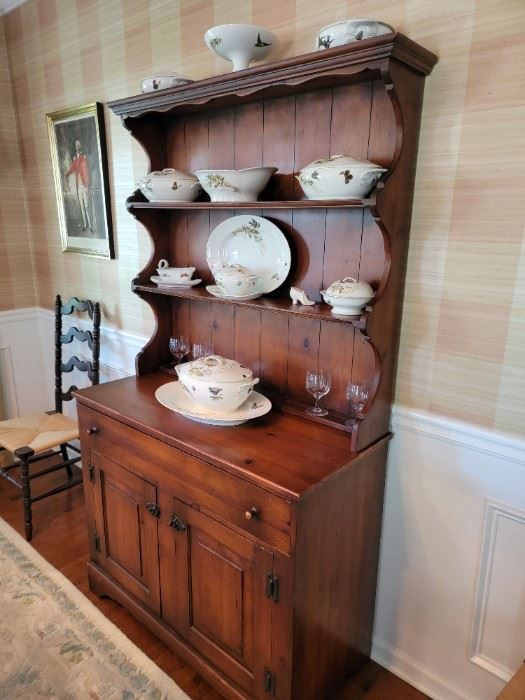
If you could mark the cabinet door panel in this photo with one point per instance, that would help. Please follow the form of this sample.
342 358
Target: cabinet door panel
213 594
127 531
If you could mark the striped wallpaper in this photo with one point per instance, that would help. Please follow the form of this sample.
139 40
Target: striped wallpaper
462 347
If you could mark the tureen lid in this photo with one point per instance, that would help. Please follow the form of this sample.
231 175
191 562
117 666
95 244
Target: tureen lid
215 368
171 172
350 287
341 162
232 270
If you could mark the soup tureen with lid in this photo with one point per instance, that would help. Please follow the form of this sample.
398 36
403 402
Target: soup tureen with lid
339 177
216 383
347 297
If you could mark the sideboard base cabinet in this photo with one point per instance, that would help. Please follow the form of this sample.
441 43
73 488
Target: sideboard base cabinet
258 573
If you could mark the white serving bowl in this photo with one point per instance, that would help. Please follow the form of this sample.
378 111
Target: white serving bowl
235 280
216 383
153 83
235 185
348 31
169 185
339 177
348 297
240 43
174 274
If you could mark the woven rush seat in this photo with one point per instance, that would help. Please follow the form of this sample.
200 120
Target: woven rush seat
40 432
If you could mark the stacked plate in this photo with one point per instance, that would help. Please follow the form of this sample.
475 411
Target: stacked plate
174 397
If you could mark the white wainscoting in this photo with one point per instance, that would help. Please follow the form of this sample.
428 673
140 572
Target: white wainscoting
451 596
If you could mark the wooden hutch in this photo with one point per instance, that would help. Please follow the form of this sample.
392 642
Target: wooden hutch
252 551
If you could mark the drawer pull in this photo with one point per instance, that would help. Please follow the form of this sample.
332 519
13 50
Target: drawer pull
252 513
154 509
93 430
177 523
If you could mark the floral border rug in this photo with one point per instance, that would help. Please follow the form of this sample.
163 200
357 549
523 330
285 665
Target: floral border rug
54 643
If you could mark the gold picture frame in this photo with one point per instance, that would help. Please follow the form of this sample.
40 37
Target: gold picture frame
78 156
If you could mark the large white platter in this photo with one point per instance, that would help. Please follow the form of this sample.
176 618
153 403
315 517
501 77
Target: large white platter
173 396
253 242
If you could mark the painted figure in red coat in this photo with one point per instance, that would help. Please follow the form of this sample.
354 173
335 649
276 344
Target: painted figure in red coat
79 167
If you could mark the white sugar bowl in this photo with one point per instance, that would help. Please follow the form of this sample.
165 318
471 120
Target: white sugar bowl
347 297
216 383
235 280
169 185
339 177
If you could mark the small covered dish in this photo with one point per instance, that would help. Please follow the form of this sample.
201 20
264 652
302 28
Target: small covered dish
235 279
339 177
347 297
169 185
216 383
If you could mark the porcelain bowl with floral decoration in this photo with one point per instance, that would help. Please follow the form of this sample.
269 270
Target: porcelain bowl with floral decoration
235 280
235 185
169 185
153 83
348 31
174 274
216 383
339 177
240 43
348 297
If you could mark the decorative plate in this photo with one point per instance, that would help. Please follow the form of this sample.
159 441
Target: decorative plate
173 396
168 283
255 243
216 292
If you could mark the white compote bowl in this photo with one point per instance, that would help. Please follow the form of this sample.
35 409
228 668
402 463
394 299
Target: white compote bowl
240 43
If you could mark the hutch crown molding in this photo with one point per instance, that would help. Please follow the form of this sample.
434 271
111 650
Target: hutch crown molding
252 551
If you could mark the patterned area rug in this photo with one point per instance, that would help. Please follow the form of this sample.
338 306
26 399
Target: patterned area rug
54 643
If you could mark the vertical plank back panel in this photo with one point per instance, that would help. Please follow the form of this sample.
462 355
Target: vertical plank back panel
274 351
279 146
221 154
303 354
350 128
223 329
248 132
313 112
201 322
196 140
336 346
247 338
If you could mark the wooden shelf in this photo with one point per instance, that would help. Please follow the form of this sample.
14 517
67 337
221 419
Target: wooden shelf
288 204
320 311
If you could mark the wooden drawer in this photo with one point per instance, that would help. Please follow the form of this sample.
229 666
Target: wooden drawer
202 485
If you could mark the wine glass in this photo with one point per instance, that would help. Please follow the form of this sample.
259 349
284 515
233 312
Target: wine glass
179 347
318 384
357 394
201 350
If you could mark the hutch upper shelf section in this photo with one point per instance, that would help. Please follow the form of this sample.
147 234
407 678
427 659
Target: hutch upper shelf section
355 62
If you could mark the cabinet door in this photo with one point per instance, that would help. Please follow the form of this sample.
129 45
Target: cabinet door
214 593
126 531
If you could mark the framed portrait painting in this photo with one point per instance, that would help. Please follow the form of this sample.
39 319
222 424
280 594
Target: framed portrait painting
78 157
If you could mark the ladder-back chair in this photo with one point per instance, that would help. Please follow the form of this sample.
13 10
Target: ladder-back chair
35 437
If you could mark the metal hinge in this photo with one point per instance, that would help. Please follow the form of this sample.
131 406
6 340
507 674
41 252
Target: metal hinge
96 542
270 681
154 509
272 586
91 469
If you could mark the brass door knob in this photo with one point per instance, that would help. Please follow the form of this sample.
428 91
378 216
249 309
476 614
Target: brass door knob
93 430
252 513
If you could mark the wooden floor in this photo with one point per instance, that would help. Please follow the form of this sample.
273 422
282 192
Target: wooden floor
60 537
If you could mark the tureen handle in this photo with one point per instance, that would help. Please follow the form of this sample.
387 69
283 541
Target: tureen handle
352 279
163 263
220 360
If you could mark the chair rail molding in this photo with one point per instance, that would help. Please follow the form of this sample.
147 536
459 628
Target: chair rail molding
452 530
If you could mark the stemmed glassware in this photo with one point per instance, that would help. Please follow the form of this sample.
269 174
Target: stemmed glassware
318 385
357 394
179 347
201 350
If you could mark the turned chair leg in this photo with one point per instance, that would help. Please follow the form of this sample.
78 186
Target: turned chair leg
24 454
65 457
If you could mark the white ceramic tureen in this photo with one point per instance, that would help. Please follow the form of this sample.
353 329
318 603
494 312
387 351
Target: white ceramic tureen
347 297
339 177
169 185
235 279
216 383
348 31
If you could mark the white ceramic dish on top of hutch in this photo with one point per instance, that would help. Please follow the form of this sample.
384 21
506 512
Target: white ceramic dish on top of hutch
153 83
232 527
348 31
255 243
240 43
